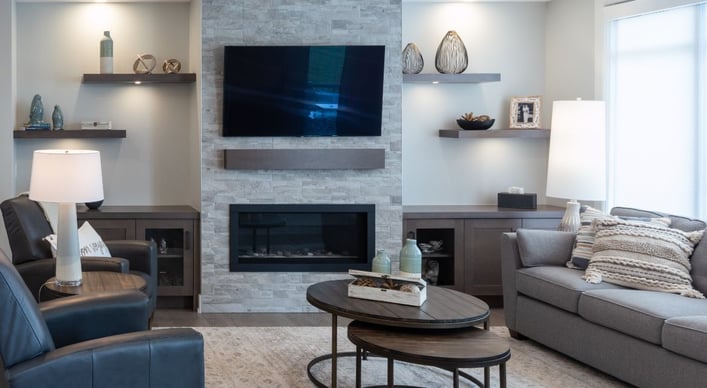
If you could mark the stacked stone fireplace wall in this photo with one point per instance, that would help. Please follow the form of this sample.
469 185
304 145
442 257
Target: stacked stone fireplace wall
303 22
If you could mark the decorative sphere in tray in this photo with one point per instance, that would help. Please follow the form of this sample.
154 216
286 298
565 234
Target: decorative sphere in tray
470 122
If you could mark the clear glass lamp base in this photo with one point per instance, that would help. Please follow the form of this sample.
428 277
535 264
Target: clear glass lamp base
68 283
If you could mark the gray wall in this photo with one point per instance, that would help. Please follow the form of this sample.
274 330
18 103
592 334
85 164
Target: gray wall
500 37
58 42
251 22
160 161
7 112
540 48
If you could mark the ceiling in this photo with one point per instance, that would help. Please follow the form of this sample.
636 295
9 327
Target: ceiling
187 1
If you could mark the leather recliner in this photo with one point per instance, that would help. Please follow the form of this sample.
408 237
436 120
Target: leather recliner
90 341
27 226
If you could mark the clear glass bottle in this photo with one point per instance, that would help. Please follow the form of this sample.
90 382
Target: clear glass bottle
381 262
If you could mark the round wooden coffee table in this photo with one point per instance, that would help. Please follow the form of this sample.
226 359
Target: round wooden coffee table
450 349
96 281
443 309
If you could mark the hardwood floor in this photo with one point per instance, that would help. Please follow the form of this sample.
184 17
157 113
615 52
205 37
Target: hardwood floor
186 318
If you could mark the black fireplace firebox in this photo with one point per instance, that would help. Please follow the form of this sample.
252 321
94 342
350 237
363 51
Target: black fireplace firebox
301 238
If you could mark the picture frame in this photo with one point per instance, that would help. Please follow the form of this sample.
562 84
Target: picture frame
525 112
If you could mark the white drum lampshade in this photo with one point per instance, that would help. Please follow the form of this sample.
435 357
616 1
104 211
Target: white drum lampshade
576 166
66 177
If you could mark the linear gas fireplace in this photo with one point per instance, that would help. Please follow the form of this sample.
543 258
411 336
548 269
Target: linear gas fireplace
301 238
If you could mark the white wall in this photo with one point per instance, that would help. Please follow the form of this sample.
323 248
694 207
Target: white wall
195 104
569 58
58 42
539 48
569 52
508 38
7 112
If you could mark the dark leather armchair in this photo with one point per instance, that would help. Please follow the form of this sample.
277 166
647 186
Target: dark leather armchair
90 341
27 226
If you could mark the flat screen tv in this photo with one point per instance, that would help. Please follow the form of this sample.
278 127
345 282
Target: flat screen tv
303 90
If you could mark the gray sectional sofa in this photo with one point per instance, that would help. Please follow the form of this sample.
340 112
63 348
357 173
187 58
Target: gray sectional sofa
645 338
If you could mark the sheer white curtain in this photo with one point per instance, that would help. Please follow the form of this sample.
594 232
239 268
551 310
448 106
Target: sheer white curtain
656 110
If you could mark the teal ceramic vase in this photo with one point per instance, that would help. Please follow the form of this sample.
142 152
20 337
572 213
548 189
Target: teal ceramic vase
410 260
381 262
57 118
106 53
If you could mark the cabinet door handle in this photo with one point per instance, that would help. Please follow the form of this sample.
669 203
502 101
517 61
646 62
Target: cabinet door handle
187 240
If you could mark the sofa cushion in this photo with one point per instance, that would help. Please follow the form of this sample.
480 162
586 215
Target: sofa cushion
544 247
644 256
698 260
637 313
558 286
677 222
686 336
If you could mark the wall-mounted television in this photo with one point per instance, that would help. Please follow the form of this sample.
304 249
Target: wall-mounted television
303 90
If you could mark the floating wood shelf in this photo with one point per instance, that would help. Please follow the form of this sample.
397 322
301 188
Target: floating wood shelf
464 78
179 78
498 133
71 134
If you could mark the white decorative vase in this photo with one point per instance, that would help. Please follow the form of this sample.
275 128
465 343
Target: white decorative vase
412 59
451 56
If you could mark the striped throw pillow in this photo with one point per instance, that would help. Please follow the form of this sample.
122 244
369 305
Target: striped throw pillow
582 251
642 255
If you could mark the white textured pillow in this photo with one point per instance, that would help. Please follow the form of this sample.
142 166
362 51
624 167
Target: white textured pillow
90 243
582 252
645 256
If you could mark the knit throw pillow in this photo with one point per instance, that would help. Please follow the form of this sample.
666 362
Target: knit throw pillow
643 255
582 252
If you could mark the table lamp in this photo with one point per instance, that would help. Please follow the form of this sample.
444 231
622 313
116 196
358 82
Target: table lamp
576 167
66 177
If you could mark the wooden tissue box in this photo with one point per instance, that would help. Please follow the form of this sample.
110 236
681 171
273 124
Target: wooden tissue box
387 288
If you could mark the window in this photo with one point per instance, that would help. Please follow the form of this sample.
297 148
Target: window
656 110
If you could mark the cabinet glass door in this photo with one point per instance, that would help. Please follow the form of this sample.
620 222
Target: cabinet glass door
174 254
442 250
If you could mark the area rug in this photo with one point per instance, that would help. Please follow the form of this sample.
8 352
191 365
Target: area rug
278 357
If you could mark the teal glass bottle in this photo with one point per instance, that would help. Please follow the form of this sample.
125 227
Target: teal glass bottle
381 262
410 259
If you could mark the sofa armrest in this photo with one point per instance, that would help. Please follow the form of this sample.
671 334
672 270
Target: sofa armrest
510 263
157 358
141 254
84 317
111 264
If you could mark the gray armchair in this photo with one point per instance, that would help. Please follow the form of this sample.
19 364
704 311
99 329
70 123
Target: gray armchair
27 226
90 341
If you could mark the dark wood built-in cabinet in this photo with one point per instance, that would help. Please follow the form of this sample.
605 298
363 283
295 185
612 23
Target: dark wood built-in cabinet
177 262
470 258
